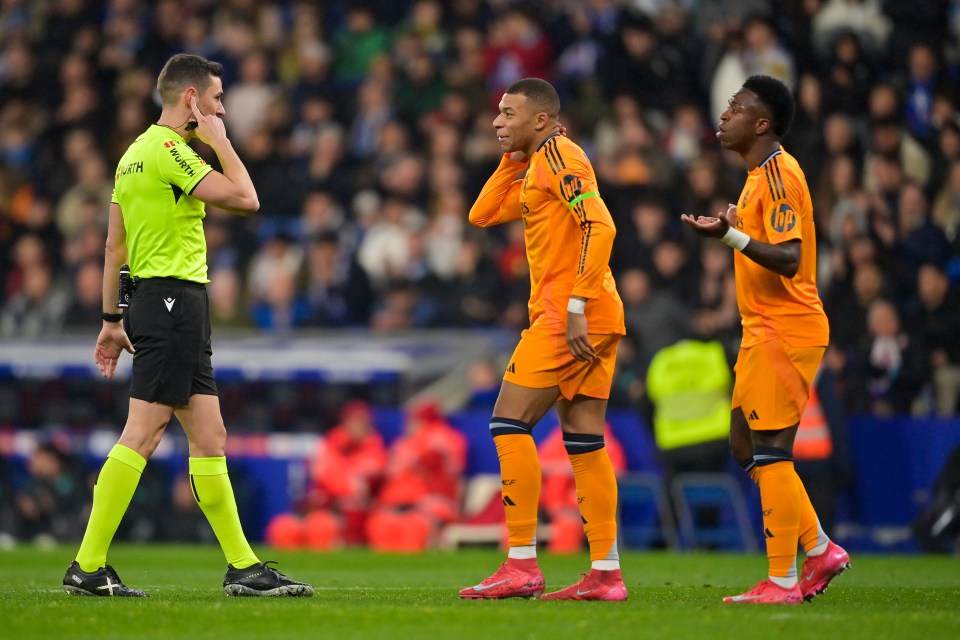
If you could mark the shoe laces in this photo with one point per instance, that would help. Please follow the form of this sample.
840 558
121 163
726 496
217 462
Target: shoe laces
501 570
275 572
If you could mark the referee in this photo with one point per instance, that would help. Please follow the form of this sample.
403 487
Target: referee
156 226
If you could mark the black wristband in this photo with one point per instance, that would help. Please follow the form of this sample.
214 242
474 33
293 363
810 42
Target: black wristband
111 317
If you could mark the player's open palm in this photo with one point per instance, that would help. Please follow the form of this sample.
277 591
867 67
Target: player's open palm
111 342
712 226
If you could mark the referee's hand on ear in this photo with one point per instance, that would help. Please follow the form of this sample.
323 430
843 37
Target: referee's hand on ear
210 129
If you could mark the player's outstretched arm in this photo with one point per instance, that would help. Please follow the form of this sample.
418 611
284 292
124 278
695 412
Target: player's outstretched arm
783 259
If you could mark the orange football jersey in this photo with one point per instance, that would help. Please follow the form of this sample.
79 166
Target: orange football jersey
568 233
775 207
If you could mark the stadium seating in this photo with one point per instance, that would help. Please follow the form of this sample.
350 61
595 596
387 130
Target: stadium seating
645 519
712 512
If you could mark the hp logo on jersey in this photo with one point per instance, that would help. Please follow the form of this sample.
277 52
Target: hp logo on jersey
783 218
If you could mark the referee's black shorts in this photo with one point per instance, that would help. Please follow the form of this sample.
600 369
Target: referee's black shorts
168 323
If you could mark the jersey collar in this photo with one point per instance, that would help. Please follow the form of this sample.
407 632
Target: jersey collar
770 157
163 126
551 137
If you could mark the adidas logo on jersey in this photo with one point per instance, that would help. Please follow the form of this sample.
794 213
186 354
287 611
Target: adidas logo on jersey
753 415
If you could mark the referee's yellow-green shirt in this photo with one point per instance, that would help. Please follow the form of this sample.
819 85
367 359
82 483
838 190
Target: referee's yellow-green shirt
164 222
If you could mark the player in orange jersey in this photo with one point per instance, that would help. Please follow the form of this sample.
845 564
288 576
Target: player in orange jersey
785 333
566 357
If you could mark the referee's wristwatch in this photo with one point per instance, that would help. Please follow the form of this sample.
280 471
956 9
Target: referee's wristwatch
111 317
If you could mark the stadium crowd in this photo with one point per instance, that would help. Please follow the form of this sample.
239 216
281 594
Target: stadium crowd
366 127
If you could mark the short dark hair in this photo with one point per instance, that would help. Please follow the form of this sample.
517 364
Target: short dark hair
778 100
184 70
540 93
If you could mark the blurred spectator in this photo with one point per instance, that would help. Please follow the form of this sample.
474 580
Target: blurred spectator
673 271
227 307
717 316
51 506
847 301
687 135
281 306
93 185
385 252
946 207
914 22
38 308
886 369
918 239
642 66
483 381
87 293
247 101
805 138
764 53
688 385
357 42
864 19
924 81
934 322
469 296
516 48
639 235
345 471
420 90
337 289
849 75
655 317
276 302
840 136
423 484
890 141
374 110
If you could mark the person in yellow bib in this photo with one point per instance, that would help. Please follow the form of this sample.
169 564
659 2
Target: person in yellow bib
156 226
785 333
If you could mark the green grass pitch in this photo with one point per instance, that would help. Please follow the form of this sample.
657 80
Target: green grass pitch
366 595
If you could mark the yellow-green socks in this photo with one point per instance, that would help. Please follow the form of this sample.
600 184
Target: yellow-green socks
214 493
116 483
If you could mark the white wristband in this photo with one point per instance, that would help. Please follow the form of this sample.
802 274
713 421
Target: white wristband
576 305
736 239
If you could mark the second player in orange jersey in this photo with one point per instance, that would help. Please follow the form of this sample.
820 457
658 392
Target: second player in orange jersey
785 333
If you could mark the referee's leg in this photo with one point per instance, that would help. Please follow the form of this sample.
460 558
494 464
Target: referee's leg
119 477
207 437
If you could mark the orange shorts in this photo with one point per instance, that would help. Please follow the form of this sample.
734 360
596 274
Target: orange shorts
773 383
543 360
